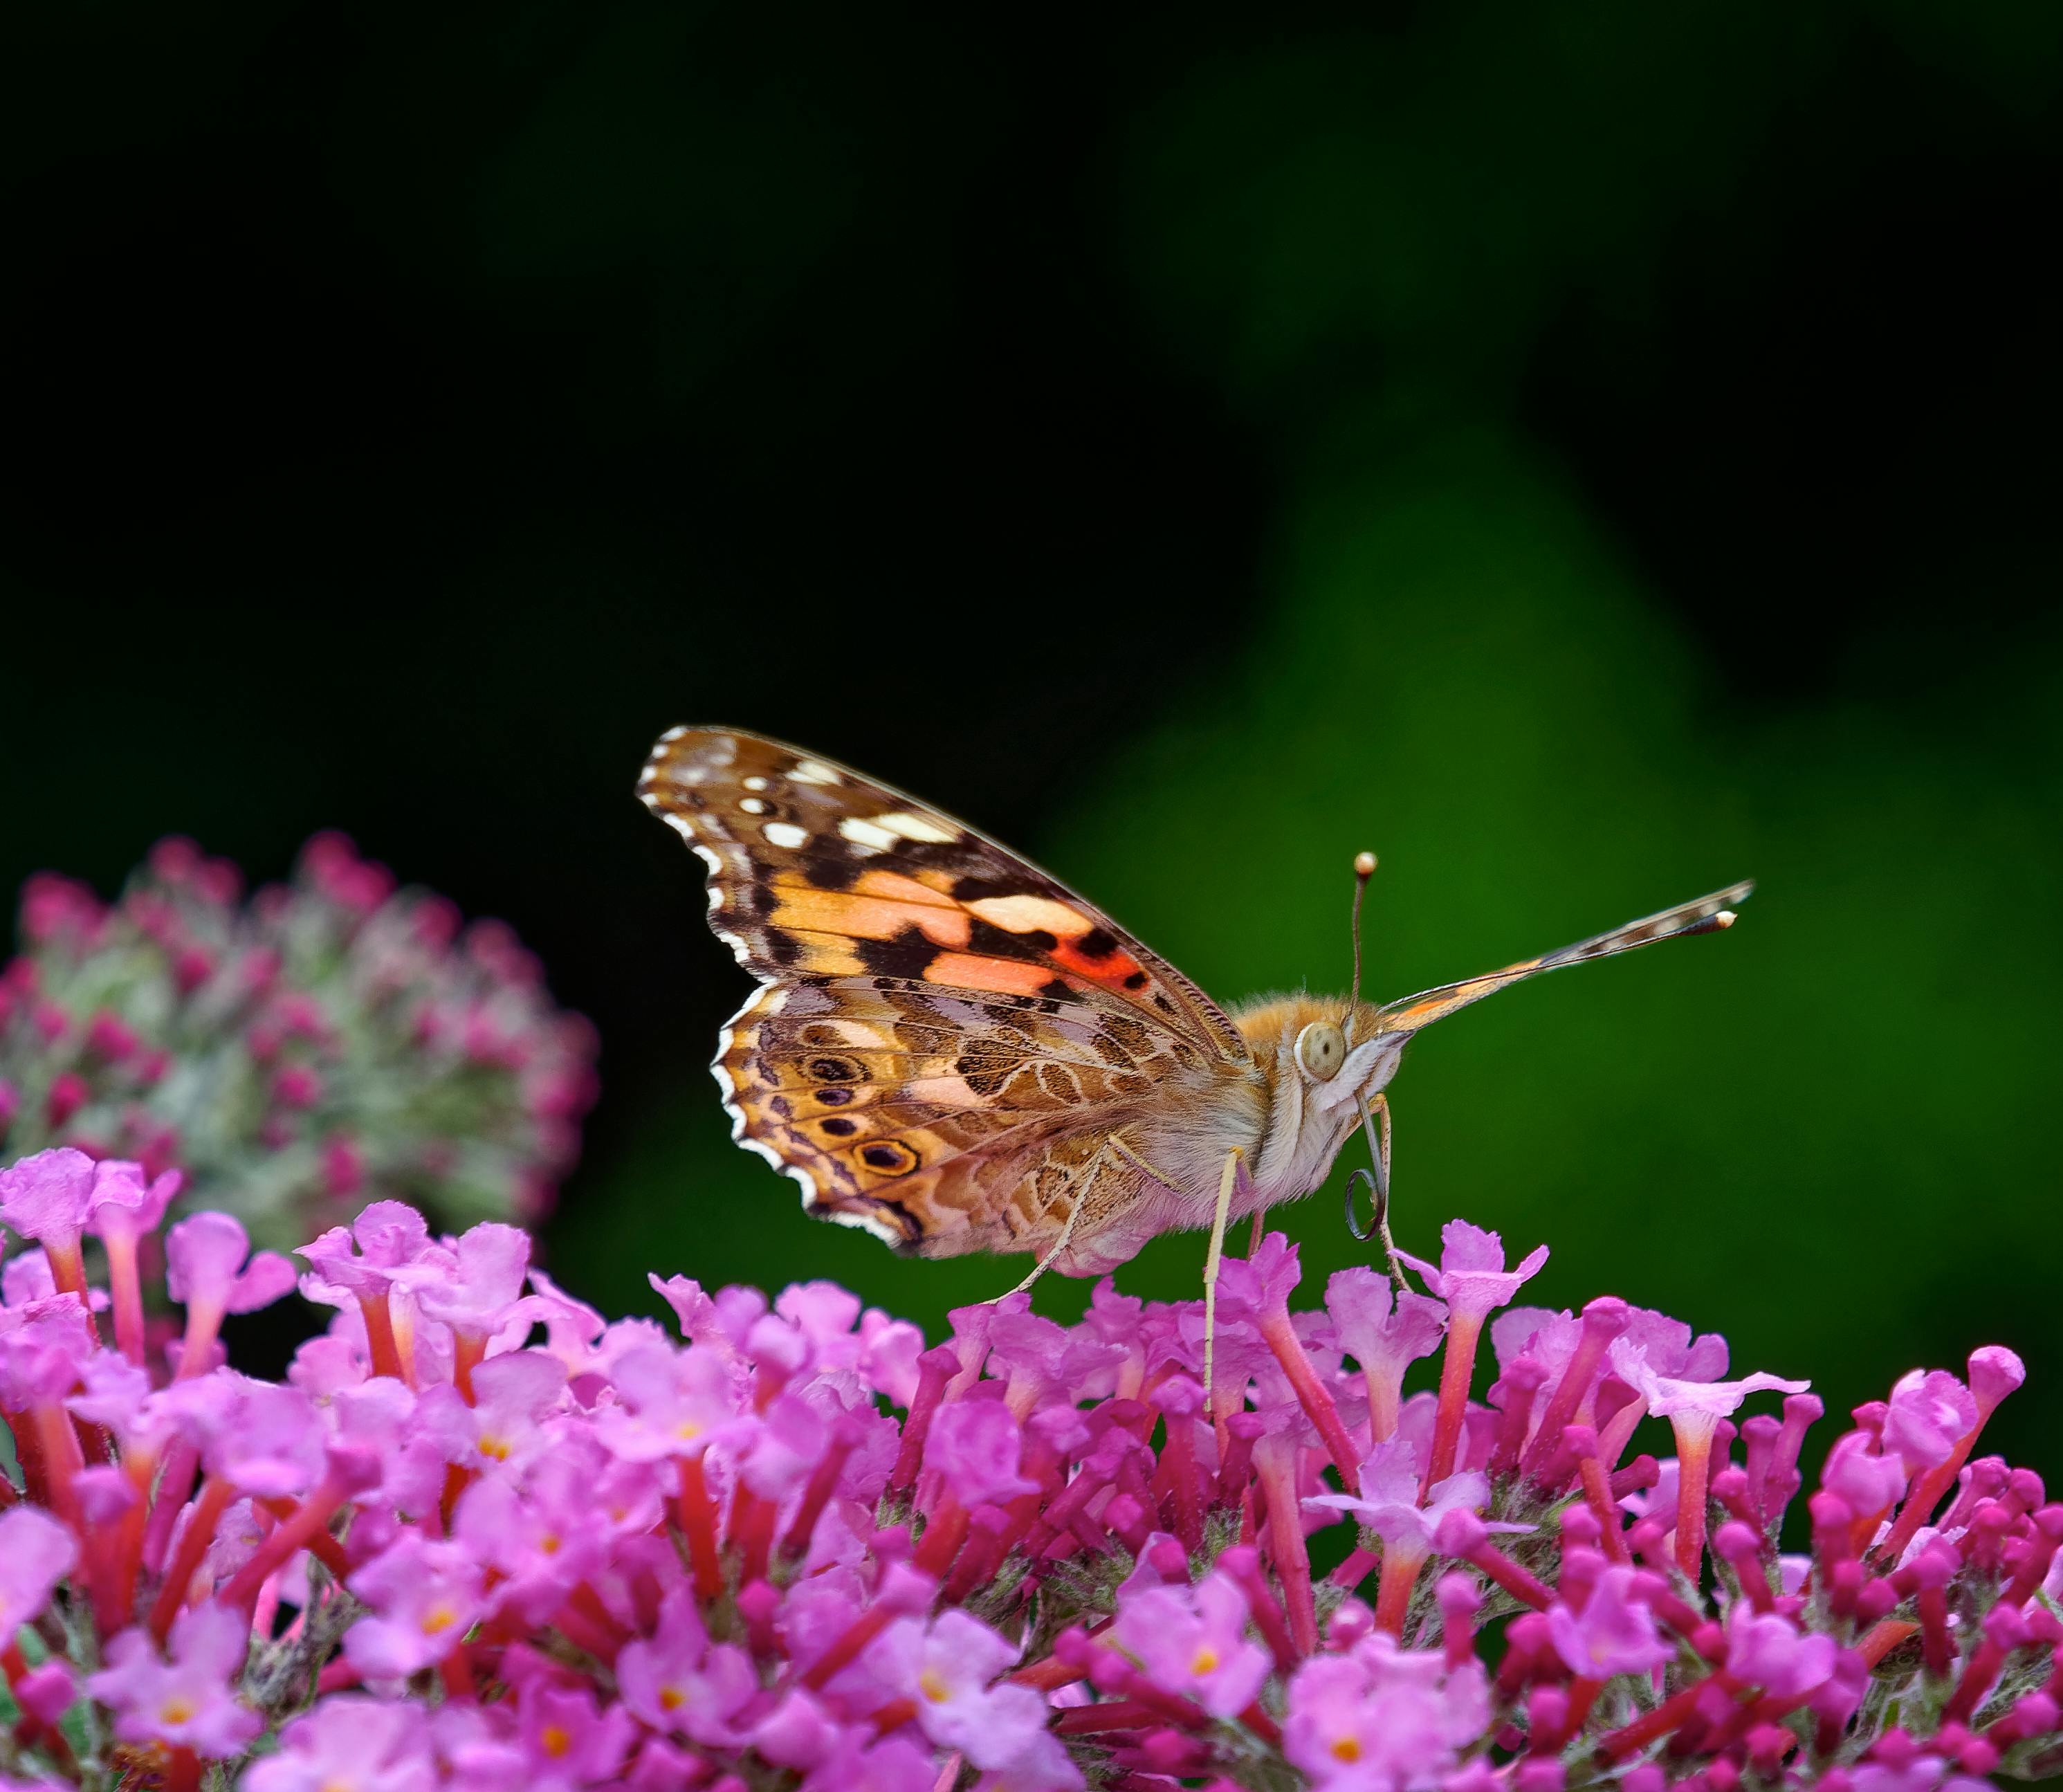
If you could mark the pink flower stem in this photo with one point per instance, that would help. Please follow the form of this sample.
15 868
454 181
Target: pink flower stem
1311 1395
1882 1638
1926 1496
1355 1568
1243 1565
310 1518
203 1324
171 1497
1597 1495
58 1442
33 1481
1603 1320
1694 1461
823 1483
1393 1597
126 1288
1522 1585
1178 1463
67 1264
379 1337
216 1495
1629 1738
469 1352
842 1654
1458 1368
942 1537
752 1520
1275 1462
697 1518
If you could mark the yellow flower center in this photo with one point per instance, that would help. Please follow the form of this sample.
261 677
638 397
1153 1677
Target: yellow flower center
1206 1661
176 1711
672 1698
932 1685
555 1739
549 1543
1347 1748
438 1620
496 1448
689 1432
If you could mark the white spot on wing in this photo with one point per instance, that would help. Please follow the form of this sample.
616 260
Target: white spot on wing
785 835
673 734
868 834
752 806
755 782
813 771
918 827
686 829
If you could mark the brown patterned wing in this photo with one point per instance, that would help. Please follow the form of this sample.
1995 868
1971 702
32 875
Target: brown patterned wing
1708 914
945 1035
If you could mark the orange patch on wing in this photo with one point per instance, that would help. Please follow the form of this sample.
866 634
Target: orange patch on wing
867 917
1111 970
967 970
895 887
1028 914
826 954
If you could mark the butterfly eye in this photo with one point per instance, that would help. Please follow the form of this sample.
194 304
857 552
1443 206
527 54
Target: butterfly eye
1321 1049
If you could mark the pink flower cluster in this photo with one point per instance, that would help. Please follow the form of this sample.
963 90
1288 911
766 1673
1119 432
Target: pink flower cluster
332 1040
479 1538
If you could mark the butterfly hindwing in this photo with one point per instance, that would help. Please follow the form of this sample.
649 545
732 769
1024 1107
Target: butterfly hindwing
945 1034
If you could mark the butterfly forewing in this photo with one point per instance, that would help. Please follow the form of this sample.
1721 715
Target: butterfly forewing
945 1034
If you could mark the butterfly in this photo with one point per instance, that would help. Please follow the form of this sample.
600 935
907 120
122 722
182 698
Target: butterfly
954 1051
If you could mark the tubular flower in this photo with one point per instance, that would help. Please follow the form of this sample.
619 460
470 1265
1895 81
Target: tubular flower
478 1536
334 1038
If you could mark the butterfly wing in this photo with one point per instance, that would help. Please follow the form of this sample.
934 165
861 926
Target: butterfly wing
945 1034
1706 915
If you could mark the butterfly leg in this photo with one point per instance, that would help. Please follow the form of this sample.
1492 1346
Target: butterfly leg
1379 1151
1235 1173
1061 1243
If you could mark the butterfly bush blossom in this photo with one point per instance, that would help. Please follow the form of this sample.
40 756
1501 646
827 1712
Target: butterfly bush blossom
332 1040
478 1537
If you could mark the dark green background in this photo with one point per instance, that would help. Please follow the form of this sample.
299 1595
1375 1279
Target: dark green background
1588 454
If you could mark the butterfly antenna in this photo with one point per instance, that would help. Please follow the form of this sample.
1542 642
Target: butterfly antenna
1364 870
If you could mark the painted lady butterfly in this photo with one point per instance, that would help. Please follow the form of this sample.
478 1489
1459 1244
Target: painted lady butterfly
955 1052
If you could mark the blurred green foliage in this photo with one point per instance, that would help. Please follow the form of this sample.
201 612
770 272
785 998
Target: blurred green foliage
1587 454
1826 1134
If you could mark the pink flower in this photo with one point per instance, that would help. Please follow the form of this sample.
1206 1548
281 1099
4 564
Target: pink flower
1472 1278
49 1197
36 1552
670 1403
947 1670
1382 1717
351 1743
1766 1651
205 1267
480 1289
680 1684
1193 1642
976 1445
1931 1413
1384 1339
1702 1401
359 1261
1615 1633
187 1700
1388 1504
425 1596
571 1740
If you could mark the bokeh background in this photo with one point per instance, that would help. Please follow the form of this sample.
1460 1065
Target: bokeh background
1588 454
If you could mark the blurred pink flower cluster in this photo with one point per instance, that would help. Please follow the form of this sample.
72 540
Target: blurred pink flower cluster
479 1538
332 1040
